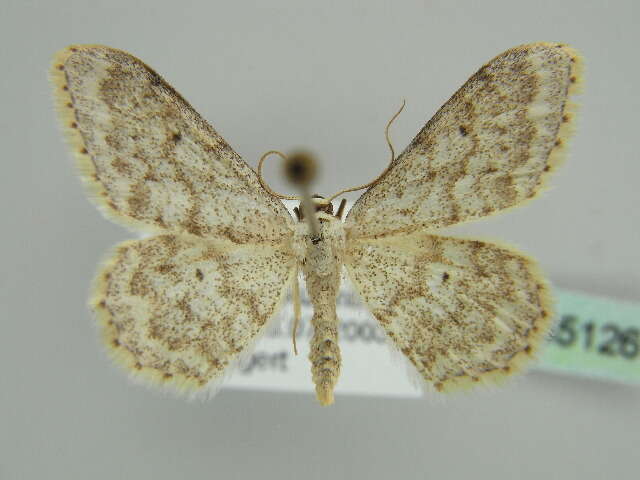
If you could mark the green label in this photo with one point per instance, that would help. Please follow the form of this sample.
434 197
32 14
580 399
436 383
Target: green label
594 337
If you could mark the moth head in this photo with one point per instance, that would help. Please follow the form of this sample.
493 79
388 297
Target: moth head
322 204
319 203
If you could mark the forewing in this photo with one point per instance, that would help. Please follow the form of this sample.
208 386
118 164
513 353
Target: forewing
149 160
490 147
179 310
462 311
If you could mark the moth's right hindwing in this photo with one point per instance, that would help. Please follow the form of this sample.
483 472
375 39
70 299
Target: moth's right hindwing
462 311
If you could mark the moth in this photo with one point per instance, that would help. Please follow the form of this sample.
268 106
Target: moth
221 252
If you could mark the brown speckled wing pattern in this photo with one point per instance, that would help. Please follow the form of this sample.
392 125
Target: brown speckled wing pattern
149 160
181 307
465 311
462 311
179 310
490 147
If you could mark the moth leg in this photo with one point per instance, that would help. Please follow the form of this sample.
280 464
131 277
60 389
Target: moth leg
297 311
340 211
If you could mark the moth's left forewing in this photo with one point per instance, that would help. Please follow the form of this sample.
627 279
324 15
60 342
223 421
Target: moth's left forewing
463 312
149 160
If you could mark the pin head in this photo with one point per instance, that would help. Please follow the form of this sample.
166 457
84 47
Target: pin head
300 168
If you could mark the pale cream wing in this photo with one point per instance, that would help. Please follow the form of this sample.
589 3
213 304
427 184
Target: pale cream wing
149 160
462 311
490 147
179 310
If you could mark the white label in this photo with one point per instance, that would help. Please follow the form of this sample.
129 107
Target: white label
595 337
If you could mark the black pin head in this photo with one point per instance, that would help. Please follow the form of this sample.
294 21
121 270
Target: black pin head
300 168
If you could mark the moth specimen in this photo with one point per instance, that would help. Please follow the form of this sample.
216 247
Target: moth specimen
181 305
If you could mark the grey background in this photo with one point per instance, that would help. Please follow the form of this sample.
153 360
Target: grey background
327 76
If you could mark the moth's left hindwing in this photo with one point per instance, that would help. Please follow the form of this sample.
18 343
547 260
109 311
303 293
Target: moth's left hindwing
179 310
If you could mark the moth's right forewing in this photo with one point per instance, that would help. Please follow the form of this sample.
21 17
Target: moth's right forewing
149 160
491 147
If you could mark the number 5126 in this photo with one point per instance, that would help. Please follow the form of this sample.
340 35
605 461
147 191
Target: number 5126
608 339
